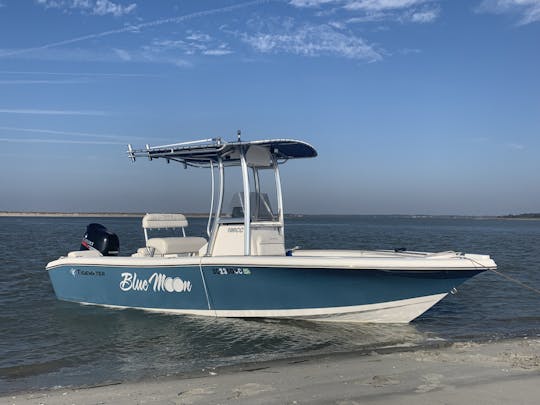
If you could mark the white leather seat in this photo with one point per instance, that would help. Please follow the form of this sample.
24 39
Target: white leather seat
168 246
176 245
155 221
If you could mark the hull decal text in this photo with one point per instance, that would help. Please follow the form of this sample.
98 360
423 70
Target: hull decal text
157 282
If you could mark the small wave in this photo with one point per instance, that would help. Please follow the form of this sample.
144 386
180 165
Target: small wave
30 370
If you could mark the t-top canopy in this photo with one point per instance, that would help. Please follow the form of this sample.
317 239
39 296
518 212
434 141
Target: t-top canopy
201 153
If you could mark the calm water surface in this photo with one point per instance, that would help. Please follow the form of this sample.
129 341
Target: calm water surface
48 343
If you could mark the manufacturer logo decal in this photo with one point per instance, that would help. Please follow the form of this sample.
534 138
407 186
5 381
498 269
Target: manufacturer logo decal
79 272
157 282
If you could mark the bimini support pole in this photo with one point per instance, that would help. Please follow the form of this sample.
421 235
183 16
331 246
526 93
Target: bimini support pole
211 200
247 209
215 225
256 182
278 194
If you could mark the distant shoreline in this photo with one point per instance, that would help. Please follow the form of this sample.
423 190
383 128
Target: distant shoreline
521 216
85 214
205 215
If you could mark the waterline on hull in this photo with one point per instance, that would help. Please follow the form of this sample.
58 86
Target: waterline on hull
400 311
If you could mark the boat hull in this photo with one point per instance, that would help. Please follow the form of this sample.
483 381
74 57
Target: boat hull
329 294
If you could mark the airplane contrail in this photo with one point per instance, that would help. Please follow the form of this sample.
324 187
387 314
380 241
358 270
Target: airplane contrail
50 112
68 133
83 74
61 141
136 27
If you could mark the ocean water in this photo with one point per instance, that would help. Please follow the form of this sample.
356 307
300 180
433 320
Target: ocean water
47 343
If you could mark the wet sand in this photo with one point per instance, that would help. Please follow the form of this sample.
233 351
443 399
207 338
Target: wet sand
503 372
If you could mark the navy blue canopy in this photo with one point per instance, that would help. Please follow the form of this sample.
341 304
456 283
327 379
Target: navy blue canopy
201 153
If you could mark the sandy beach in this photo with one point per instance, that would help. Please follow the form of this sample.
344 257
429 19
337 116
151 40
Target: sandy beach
500 372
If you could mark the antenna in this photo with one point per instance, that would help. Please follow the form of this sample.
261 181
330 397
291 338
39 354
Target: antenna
239 133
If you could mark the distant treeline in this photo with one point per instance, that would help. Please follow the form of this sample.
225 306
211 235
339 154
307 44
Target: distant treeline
525 216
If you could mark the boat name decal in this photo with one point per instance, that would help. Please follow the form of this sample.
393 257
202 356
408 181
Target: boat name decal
157 282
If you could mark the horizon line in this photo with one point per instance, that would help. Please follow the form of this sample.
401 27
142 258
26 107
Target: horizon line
292 214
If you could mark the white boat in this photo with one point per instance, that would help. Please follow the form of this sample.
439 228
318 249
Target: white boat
243 268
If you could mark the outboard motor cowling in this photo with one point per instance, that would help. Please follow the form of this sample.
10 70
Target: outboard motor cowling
97 237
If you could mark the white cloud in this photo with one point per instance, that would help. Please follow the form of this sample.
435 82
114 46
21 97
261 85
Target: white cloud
311 3
113 55
515 146
528 10
70 54
409 51
309 40
370 17
382 5
418 16
364 5
181 63
199 36
123 54
103 7
217 52
361 11
150 56
195 43
131 28
337 24
160 45
421 16
95 7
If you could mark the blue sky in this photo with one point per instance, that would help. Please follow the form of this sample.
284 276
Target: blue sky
415 106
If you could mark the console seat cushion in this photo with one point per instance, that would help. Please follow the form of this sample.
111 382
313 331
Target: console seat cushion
153 221
177 245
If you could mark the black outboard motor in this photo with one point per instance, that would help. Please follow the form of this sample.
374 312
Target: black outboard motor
97 237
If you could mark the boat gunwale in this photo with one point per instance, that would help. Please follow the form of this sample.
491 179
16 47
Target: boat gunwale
291 262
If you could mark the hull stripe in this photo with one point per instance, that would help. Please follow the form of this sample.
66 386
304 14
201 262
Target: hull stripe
400 311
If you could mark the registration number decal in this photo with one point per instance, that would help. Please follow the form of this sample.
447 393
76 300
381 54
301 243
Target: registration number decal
238 271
